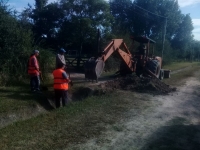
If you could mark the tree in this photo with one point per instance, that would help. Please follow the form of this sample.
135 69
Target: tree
196 48
152 21
82 18
15 44
144 17
40 4
45 19
121 10
183 37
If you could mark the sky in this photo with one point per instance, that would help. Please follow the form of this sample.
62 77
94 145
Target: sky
191 7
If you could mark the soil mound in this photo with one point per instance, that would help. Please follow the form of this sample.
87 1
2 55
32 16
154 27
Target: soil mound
140 84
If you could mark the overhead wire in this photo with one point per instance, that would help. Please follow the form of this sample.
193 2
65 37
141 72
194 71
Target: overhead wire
139 11
149 11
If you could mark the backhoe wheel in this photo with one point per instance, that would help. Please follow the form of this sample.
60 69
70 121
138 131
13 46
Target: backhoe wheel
154 67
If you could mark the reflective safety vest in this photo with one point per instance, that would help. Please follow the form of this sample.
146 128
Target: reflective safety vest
32 70
59 82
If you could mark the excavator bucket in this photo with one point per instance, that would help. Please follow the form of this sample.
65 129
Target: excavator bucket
94 68
99 67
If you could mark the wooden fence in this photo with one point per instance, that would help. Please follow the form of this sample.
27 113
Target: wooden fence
76 63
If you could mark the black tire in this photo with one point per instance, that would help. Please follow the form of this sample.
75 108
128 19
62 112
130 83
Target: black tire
154 67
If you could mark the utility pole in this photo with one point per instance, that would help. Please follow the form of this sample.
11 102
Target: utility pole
164 33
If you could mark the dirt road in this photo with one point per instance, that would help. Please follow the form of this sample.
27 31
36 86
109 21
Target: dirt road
171 122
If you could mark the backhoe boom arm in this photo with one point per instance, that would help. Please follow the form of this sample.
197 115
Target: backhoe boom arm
117 45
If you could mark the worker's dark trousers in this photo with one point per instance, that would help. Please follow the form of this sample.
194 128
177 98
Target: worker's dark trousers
61 94
35 83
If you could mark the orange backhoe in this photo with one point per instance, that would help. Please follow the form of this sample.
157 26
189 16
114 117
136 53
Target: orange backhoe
141 62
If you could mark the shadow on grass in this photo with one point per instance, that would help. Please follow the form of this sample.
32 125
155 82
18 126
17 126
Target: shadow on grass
22 93
175 137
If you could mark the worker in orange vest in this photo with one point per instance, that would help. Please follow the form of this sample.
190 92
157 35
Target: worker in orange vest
34 71
61 86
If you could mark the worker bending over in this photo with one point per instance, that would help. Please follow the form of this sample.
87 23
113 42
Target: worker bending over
34 72
61 81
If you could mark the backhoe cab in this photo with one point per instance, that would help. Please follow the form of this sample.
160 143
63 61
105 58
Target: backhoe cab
147 63
141 62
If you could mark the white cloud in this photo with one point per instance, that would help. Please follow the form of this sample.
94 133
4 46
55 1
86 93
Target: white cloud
51 1
196 22
184 3
196 36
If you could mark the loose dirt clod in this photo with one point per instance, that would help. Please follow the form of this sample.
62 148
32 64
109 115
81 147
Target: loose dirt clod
140 84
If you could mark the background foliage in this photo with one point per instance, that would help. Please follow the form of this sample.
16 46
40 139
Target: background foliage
73 24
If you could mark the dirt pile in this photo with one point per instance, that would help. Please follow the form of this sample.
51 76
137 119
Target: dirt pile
140 84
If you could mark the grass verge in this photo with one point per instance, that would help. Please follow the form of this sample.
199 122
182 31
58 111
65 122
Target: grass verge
75 123
179 78
180 65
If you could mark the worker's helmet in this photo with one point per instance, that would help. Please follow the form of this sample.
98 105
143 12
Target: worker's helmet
35 52
62 50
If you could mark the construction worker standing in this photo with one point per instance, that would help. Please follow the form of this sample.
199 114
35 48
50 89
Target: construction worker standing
34 72
60 86
60 58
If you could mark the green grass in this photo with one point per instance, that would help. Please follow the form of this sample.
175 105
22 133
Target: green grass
36 125
75 123
108 73
15 99
179 78
180 65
